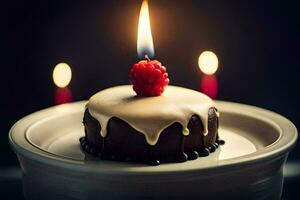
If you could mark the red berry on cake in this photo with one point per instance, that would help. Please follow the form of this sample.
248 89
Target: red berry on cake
148 78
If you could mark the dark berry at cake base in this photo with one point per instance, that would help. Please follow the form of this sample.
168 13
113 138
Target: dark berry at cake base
179 125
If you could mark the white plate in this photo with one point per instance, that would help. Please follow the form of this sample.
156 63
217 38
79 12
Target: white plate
249 165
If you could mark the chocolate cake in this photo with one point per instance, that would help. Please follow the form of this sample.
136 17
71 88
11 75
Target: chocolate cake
179 125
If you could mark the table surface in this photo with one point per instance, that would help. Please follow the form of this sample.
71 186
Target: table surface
11 182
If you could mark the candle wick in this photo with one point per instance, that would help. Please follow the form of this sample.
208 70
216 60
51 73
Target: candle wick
147 57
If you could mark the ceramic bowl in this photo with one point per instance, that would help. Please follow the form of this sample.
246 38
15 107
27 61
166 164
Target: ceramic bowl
248 166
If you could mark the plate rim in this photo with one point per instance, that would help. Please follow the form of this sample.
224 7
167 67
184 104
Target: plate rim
286 141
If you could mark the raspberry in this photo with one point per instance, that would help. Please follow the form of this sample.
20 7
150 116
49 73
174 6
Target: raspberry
148 78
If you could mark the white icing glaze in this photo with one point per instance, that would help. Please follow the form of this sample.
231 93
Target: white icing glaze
150 115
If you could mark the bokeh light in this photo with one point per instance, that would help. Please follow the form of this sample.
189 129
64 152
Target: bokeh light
62 75
208 62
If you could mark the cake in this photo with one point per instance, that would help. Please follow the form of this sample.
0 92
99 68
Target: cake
179 125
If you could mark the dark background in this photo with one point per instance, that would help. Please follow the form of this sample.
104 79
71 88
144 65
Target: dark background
257 44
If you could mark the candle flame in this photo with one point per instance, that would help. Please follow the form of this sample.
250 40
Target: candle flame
208 62
144 39
62 75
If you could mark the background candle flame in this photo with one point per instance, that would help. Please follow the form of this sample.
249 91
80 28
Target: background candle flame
208 62
144 38
62 75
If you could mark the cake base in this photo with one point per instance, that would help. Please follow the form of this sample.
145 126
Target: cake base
90 149
124 143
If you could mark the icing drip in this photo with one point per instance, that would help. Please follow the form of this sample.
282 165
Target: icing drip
150 115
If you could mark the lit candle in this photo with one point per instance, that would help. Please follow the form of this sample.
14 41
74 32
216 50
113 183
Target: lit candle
209 86
62 75
145 45
148 77
208 63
